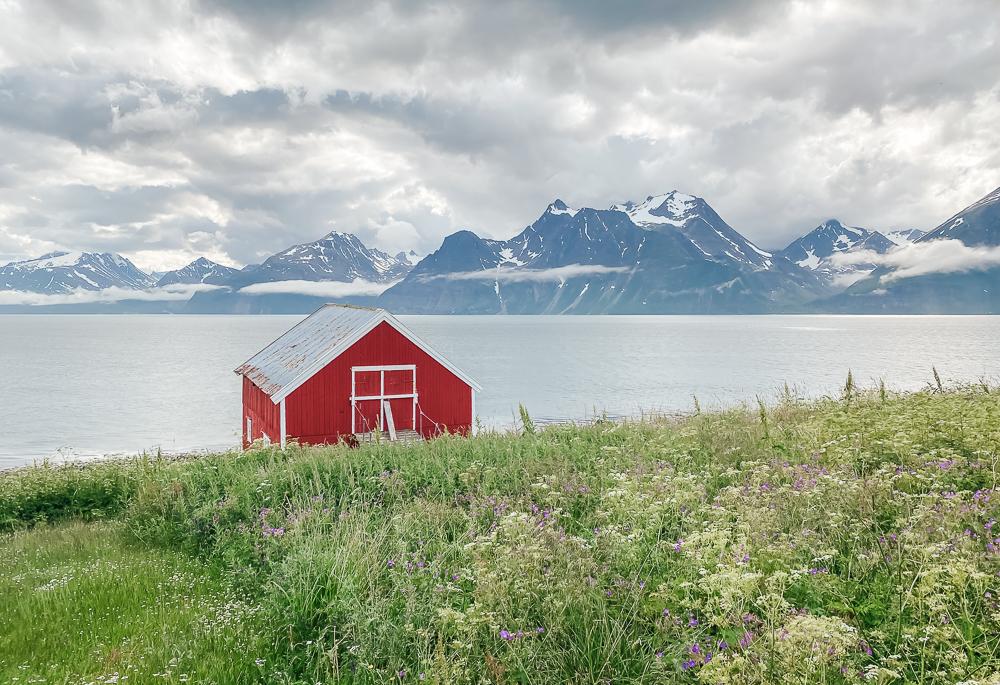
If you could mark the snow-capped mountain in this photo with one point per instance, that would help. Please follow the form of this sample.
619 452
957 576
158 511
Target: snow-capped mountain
816 251
201 270
587 261
692 216
977 224
62 272
334 257
905 236
929 279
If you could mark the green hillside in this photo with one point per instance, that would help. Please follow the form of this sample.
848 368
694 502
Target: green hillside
848 540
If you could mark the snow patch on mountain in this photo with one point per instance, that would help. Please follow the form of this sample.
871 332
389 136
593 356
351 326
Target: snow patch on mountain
673 208
699 223
560 207
905 236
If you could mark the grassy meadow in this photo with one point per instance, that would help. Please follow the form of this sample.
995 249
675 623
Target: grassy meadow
847 540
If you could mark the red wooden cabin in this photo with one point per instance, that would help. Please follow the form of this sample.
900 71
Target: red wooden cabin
350 373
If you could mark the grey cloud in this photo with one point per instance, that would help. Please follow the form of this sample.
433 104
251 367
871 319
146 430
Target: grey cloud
589 17
69 106
245 127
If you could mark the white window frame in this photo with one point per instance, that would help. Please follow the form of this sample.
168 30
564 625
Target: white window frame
382 397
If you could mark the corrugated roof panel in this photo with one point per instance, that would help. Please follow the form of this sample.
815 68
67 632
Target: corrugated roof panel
311 340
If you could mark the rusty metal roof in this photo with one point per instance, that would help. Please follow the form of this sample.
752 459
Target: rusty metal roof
317 340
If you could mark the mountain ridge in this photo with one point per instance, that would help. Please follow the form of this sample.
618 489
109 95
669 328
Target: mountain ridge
669 253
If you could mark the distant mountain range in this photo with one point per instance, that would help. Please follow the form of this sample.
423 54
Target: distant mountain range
668 253
64 272
819 250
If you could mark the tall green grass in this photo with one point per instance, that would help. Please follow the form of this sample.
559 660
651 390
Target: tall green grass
78 604
848 540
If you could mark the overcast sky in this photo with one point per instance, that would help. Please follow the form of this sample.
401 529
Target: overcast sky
170 130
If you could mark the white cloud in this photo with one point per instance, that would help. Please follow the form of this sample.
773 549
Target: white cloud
847 279
318 288
262 123
113 294
558 274
918 259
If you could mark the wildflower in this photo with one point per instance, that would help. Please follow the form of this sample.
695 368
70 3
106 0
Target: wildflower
695 648
692 621
677 545
723 645
659 655
391 564
539 630
400 674
505 635
688 664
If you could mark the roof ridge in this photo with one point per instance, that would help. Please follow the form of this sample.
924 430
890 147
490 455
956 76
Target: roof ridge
308 346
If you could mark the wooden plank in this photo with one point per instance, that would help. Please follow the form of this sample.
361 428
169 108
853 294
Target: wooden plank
390 423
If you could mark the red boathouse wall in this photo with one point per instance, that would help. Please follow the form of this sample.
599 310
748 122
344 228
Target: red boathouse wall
319 411
264 415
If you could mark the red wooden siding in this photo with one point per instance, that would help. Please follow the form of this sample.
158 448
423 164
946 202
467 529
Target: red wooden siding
319 411
265 415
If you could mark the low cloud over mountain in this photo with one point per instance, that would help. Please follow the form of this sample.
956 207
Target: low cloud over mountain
919 259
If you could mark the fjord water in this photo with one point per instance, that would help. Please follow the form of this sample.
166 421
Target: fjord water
83 386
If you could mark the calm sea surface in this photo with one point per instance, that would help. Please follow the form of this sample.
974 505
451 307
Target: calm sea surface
83 386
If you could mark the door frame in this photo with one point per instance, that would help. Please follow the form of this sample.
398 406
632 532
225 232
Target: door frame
381 397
